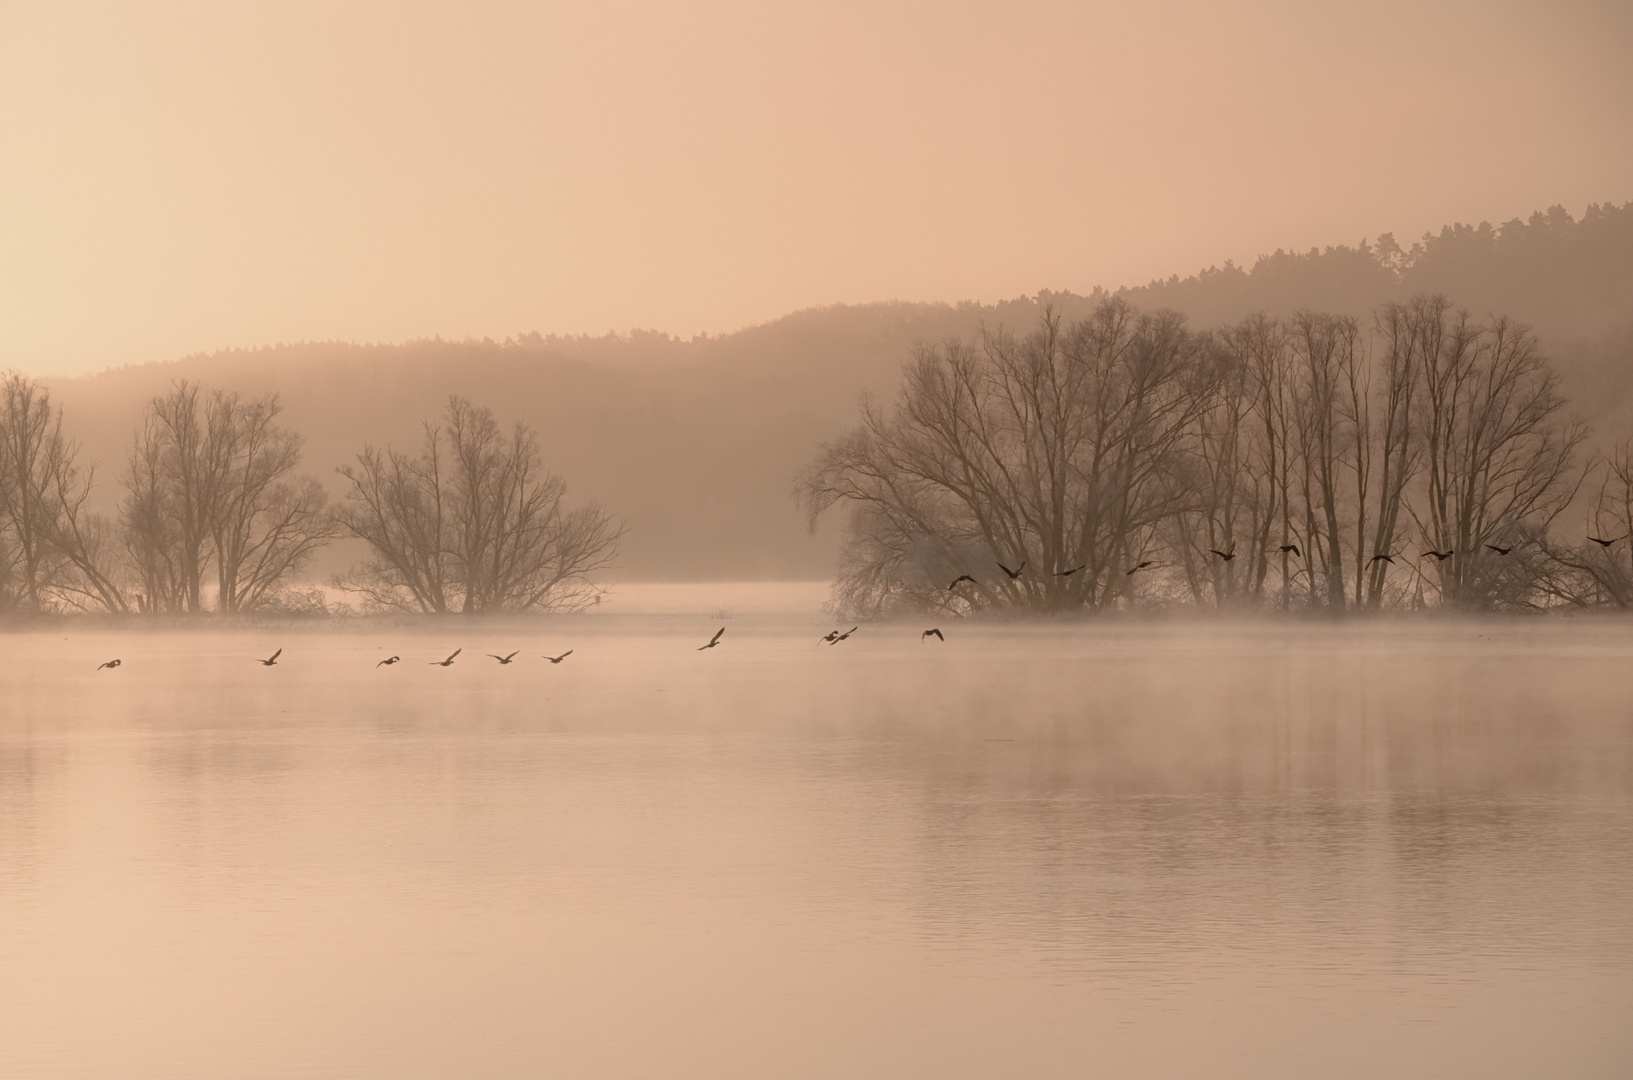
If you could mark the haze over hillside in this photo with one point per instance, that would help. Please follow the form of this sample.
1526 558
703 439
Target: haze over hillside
695 443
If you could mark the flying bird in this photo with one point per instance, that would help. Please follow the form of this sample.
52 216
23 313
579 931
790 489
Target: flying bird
504 659
1013 574
838 637
713 641
1606 543
1390 559
448 662
388 661
830 637
558 659
109 664
1285 548
1069 573
1227 556
269 661
1501 550
1136 568
1440 556
927 633
961 577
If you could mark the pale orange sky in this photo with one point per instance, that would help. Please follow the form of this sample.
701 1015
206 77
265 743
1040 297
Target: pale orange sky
184 176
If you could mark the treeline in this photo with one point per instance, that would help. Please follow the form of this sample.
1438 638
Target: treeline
1417 458
216 516
1565 276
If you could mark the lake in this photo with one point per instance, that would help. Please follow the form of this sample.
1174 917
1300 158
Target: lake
1215 849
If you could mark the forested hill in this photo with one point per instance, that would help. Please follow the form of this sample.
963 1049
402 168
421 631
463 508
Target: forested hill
696 443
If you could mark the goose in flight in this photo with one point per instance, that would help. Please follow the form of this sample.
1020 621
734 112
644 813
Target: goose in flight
1069 573
269 661
713 641
1501 550
504 659
1385 558
842 637
961 577
448 662
928 633
1606 543
558 659
1015 573
1136 568
1226 556
109 664
388 661
1285 548
1440 556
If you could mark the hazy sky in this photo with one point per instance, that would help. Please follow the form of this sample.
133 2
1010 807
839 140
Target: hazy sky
181 176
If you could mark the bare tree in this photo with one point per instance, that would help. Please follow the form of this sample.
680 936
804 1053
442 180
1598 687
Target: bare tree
1598 572
55 546
473 522
1062 451
266 523
1236 499
1321 346
215 486
1395 445
1498 458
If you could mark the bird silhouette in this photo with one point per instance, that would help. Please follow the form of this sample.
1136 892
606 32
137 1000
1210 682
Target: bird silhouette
838 637
1013 574
1390 559
830 637
109 664
1285 548
1136 568
1606 543
713 641
1069 573
1440 556
927 633
448 662
273 659
388 661
1501 550
1227 556
504 659
961 577
558 659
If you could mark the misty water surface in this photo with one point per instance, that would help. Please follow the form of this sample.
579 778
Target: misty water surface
1126 851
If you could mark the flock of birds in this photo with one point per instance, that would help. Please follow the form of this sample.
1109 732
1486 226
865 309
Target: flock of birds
1387 557
832 638
272 660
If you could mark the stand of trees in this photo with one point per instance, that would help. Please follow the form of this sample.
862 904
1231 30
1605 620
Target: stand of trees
472 523
1308 462
215 516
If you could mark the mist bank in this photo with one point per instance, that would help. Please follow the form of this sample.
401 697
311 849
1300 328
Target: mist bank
695 444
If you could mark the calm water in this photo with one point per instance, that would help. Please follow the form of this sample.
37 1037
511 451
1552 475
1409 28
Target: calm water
1138 852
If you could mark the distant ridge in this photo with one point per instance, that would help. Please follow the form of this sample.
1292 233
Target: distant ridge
695 442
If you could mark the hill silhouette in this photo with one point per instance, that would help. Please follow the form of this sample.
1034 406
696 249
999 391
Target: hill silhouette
695 443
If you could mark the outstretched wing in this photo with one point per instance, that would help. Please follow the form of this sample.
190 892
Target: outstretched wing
717 634
275 656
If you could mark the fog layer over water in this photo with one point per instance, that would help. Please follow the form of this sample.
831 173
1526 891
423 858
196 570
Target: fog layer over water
1118 850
